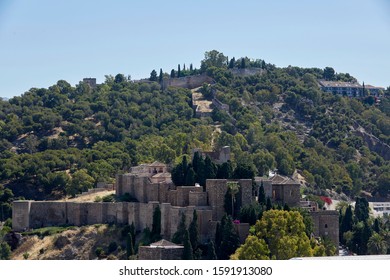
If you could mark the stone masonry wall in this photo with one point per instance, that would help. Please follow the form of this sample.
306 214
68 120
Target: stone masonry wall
326 223
216 190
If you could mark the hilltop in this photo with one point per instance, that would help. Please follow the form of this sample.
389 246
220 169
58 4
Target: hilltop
62 140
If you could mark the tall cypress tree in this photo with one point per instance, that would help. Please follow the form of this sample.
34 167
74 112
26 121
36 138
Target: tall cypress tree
190 177
268 204
211 255
262 198
194 231
210 169
187 252
156 226
230 239
160 77
178 71
178 236
172 73
129 246
132 232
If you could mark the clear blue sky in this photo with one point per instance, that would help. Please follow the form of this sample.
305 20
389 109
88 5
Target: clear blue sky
43 41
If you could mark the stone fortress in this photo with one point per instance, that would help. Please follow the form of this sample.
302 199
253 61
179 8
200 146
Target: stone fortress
150 186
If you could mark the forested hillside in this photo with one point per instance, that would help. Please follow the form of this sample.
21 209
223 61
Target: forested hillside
65 139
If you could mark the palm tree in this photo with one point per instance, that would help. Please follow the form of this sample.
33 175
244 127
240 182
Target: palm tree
377 245
233 190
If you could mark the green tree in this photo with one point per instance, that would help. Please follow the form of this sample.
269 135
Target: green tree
178 236
243 65
253 249
153 76
156 225
362 209
384 184
178 71
283 232
262 199
213 58
211 255
172 73
5 251
194 231
129 246
329 74
190 177
210 168
188 251
377 245
225 171
160 76
230 202
346 223
79 182
229 239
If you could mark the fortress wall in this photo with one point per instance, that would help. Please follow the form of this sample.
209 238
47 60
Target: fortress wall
189 82
163 193
94 213
326 223
175 219
242 230
197 198
108 213
47 213
140 184
21 214
216 190
133 209
173 197
73 213
151 192
292 195
146 214
166 220
204 218
246 191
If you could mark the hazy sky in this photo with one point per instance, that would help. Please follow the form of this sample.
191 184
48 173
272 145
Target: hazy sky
43 41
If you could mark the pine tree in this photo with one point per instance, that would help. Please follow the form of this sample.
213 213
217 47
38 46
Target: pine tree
191 68
156 225
211 255
194 231
178 71
172 73
187 252
153 76
178 236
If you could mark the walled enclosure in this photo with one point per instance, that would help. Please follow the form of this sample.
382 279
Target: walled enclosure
151 187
